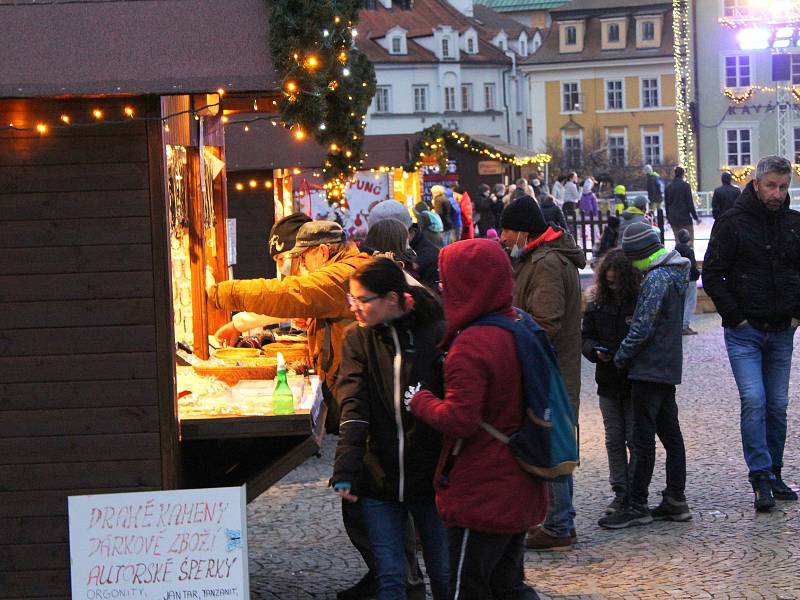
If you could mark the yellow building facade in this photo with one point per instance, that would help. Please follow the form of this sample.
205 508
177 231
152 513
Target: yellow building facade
603 82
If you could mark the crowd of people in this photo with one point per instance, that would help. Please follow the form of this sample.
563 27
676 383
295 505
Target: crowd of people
410 378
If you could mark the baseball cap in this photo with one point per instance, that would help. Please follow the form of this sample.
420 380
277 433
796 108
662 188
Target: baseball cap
316 233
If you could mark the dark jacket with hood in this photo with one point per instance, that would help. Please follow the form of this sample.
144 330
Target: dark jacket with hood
486 489
547 285
679 203
752 266
723 199
384 450
427 257
607 325
653 349
552 213
483 212
653 188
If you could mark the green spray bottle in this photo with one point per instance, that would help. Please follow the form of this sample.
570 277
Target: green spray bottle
282 397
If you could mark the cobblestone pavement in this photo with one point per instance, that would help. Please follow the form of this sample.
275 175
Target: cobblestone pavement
298 548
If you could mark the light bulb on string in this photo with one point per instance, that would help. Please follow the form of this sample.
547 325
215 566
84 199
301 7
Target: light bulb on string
41 128
129 111
97 113
239 187
247 128
65 119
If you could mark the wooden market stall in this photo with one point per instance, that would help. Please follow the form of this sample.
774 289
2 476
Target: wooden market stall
90 234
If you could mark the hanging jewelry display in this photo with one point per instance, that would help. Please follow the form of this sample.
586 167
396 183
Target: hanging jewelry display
178 192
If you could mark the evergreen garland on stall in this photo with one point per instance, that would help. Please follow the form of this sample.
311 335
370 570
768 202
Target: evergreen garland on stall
430 143
327 83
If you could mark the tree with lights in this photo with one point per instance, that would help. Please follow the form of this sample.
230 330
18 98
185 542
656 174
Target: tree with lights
327 83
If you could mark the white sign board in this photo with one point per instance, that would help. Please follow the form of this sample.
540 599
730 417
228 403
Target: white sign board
187 544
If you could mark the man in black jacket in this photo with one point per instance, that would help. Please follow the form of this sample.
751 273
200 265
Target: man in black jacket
679 204
752 273
724 196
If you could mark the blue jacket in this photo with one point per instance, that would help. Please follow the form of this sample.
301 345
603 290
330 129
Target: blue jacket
653 349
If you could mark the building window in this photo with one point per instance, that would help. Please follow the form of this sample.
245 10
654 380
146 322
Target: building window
797 145
571 96
420 98
648 31
523 47
613 32
471 45
489 96
796 68
616 150
651 148
649 92
737 71
397 45
736 8
614 95
383 99
502 45
466 97
445 47
571 36
737 149
572 150
449 98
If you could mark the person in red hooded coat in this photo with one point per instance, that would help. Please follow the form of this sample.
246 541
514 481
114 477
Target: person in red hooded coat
484 498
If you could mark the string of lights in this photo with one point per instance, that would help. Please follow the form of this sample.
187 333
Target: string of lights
682 32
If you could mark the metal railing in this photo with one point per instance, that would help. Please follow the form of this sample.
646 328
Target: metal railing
703 199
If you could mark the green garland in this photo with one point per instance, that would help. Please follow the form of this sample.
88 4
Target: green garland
431 142
328 84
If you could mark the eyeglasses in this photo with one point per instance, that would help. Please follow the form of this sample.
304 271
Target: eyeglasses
361 302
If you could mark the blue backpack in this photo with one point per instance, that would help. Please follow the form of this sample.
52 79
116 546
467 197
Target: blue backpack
546 444
455 215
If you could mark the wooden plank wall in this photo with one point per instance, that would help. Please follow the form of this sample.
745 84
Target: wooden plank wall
85 342
254 211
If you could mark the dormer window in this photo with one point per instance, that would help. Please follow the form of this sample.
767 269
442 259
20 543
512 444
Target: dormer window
537 41
395 41
614 33
648 31
446 48
571 34
523 47
502 45
471 45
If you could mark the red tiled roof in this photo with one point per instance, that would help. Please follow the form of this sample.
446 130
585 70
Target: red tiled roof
420 21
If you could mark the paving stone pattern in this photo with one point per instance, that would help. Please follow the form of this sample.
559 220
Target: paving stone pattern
298 548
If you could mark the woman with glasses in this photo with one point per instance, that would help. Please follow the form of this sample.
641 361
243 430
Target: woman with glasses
386 458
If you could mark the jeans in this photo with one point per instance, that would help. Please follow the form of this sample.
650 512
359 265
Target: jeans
618 424
690 303
386 522
560 517
447 237
761 362
486 566
655 412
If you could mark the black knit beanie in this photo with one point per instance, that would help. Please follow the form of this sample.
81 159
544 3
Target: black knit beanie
523 214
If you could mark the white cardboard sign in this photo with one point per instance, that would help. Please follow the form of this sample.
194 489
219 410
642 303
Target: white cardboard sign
168 545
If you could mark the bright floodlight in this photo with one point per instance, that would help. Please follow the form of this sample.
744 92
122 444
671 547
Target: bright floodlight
755 38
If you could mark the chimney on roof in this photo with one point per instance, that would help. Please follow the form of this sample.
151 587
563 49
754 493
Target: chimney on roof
464 6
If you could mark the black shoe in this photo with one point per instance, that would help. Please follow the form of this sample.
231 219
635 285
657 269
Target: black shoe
365 589
762 487
628 516
781 491
671 510
616 504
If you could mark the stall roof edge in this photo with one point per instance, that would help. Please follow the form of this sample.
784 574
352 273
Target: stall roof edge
144 47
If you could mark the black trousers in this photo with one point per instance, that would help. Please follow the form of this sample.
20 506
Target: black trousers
655 412
486 566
